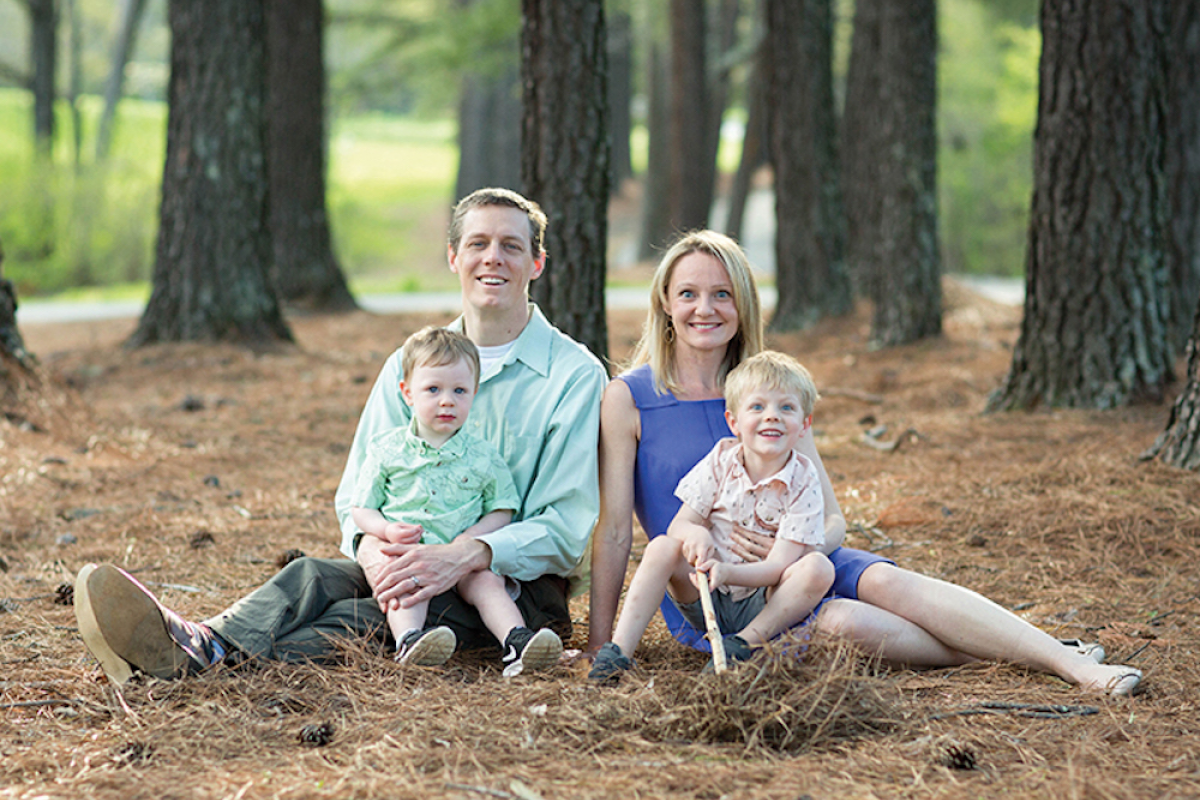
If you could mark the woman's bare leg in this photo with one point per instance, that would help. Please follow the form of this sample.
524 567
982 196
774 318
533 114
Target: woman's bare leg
968 623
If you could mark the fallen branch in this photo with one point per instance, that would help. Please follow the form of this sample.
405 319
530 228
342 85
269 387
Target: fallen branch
62 701
1022 710
462 787
888 447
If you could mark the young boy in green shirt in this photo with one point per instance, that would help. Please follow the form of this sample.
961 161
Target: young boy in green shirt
431 482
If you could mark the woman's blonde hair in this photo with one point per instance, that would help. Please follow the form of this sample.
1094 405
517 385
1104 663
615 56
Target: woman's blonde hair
657 345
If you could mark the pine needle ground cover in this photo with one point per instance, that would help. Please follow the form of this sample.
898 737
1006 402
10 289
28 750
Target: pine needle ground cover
202 469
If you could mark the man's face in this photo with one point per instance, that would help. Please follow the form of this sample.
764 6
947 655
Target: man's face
495 260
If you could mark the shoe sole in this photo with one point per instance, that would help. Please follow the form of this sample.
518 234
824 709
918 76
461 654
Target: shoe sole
542 652
122 626
432 650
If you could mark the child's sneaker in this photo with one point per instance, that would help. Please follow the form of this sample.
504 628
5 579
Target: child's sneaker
737 650
428 648
526 650
610 662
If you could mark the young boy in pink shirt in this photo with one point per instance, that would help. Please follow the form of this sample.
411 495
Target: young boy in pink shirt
755 481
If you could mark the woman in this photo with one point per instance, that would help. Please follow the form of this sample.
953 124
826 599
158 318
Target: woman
661 417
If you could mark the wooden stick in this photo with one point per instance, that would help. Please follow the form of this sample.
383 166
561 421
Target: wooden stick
710 621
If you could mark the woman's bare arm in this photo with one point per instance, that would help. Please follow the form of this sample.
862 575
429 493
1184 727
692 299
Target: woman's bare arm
620 429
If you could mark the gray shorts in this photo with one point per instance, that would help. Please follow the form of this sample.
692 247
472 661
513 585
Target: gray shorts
732 615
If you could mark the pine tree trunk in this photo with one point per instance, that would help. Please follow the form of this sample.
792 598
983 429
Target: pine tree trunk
691 169
620 95
656 185
861 147
43 53
1183 164
1096 309
489 133
754 150
306 272
907 289
564 159
1179 444
131 16
797 56
212 265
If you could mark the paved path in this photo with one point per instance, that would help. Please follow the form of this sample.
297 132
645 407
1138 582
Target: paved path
33 312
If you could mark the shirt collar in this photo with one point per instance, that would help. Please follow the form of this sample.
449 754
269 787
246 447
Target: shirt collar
532 346
733 456
454 446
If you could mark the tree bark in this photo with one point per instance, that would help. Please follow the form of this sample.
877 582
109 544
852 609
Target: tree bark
656 186
213 260
754 151
691 170
131 16
306 272
489 133
43 52
564 158
797 56
1096 307
1179 443
861 146
907 289
1183 164
620 95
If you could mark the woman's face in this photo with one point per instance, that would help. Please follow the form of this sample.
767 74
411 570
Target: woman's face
700 303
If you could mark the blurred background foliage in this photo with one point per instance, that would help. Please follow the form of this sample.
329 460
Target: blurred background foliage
395 70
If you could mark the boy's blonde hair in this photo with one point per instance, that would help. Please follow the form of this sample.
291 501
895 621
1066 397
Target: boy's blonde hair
435 347
657 345
773 370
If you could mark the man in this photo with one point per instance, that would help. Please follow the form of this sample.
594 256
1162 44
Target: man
538 403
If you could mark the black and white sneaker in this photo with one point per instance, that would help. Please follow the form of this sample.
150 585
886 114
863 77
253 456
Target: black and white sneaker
526 650
431 647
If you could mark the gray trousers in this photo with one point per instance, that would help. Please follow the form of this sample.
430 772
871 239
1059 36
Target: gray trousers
305 607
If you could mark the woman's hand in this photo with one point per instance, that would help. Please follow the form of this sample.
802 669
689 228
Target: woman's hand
751 546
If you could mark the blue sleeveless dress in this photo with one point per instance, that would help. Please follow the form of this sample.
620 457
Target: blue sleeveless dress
676 434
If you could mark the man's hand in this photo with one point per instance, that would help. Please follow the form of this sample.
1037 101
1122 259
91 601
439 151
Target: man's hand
417 572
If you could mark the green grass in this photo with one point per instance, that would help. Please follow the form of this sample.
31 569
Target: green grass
62 228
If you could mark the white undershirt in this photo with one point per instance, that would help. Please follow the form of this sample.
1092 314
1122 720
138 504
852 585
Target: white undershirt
488 356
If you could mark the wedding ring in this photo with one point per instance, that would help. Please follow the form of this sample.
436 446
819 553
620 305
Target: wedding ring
416 582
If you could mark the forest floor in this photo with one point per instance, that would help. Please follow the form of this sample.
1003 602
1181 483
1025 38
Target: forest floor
199 467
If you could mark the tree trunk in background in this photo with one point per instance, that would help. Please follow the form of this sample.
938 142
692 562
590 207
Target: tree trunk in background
489 133
305 271
656 187
13 355
1183 164
1179 444
691 169
1096 275
43 52
213 260
75 81
754 150
861 147
725 35
620 95
797 62
131 16
564 158
907 288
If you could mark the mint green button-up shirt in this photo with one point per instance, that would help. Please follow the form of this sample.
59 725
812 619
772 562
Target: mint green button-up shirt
443 489
540 407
